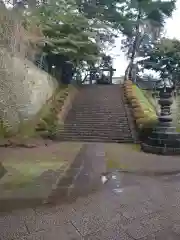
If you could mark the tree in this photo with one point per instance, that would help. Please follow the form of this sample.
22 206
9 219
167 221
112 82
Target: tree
81 29
109 11
67 31
146 20
164 57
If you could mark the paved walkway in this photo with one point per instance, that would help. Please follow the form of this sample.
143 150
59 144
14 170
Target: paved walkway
126 207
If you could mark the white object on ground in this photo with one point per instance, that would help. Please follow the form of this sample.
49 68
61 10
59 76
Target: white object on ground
104 179
114 177
118 190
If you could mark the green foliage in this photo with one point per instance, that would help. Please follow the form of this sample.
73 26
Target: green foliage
49 121
146 15
165 56
5 130
146 20
68 32
150 119
146 105
108 11
81 29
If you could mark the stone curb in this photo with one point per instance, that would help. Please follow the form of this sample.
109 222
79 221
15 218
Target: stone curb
143 172
62 188
61 185
138 162
160 150
129 115
3 171
150 173
153 168
10 143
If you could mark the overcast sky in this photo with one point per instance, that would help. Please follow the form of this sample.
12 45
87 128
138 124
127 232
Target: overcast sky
172 30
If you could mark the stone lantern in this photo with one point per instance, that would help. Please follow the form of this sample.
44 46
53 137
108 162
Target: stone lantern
163 139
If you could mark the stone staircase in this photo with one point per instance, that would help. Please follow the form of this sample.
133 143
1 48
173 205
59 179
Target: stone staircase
98 114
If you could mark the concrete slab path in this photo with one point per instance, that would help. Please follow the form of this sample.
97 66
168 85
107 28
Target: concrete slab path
126 207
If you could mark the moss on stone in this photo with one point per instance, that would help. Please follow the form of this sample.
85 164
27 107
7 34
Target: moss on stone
49 113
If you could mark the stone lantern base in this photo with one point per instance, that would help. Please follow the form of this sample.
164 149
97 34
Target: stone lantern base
164 141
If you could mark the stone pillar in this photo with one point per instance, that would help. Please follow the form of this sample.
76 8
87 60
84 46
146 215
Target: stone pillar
163 139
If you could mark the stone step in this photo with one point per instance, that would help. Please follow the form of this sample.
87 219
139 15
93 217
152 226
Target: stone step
91 131
90 103
88 115
98 105
89 126
96 124
95 129
119 127
97 101
94 115
96 121
107 109
106 119
94 133
94 139
97 113
106 138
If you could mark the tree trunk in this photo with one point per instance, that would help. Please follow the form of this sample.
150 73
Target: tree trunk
2 4
14 2
31 3
134 50
126 75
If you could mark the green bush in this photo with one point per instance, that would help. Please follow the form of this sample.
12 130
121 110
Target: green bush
5 130
49 122
146 123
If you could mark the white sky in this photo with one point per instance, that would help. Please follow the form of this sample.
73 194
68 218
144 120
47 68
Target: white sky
172 30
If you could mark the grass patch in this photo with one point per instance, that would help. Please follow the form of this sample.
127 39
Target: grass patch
17 182
145 114
144 101
27 172
148 95
113 164
24 168
178 129
136 147
5 130
113 155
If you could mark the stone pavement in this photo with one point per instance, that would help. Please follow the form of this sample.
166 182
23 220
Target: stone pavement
127 207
